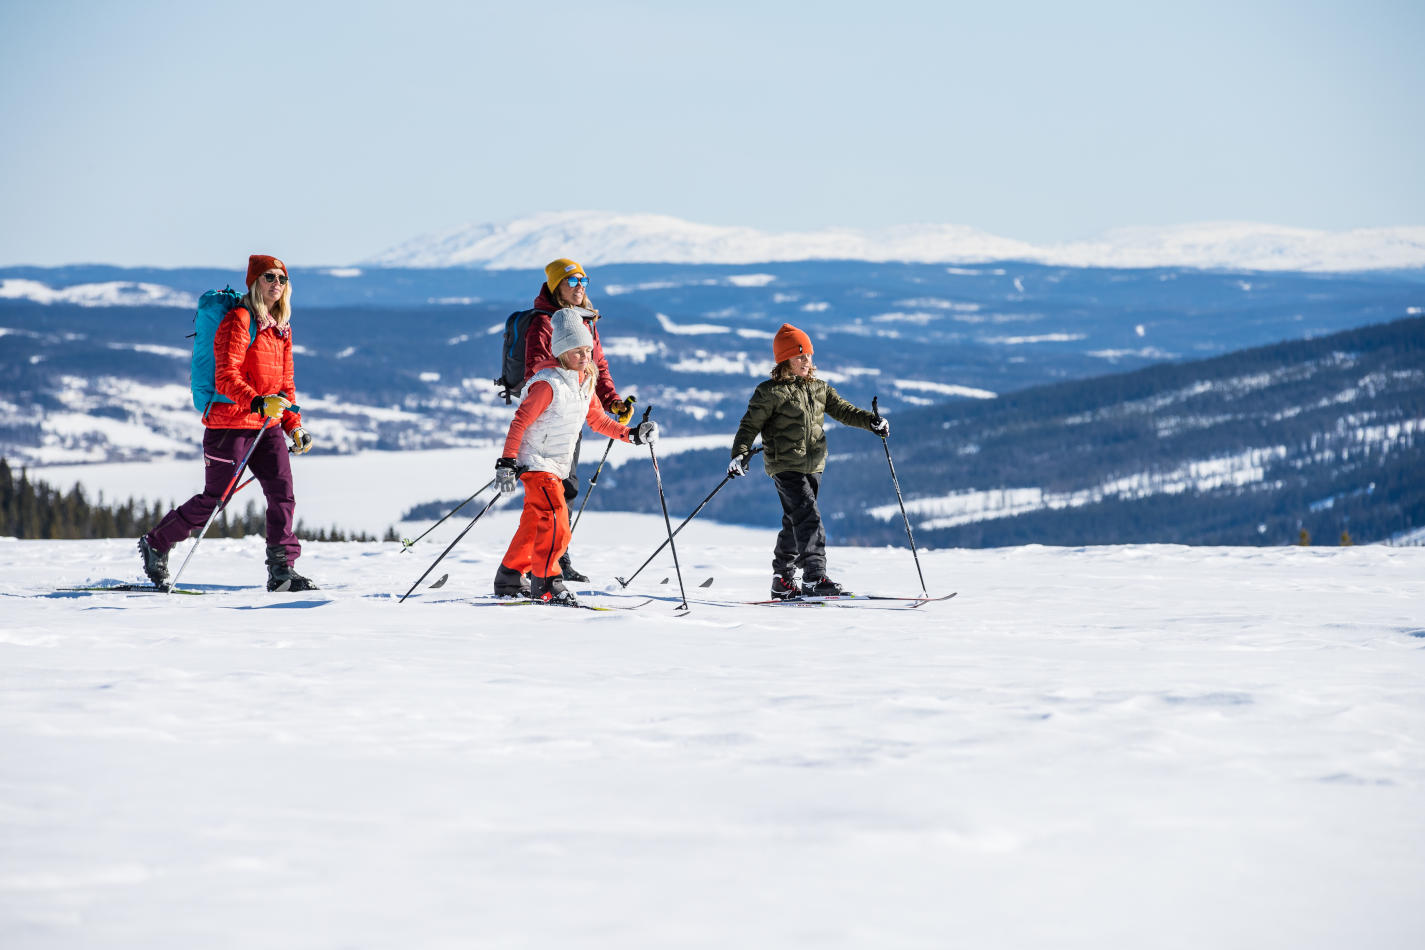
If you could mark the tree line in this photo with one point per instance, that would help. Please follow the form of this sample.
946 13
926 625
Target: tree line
32 509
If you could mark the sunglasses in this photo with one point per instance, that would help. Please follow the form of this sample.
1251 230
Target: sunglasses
577 281
275 278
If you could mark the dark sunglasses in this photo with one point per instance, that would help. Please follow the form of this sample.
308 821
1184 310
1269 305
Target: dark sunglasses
275 278
577 281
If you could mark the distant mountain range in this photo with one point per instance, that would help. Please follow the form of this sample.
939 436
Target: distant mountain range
598 238
394 358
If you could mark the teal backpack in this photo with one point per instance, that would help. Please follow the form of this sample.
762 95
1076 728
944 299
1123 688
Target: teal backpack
212 307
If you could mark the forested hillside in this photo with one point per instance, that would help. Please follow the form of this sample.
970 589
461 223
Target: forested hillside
1254 447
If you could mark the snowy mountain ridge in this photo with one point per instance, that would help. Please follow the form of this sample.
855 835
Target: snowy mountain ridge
598 238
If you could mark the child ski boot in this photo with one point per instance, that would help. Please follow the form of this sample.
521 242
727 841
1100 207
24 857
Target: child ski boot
784 586
511 583
821 587
551 590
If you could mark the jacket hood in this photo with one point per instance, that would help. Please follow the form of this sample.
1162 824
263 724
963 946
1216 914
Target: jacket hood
543 301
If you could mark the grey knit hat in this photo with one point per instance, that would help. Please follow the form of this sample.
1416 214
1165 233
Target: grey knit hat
568 330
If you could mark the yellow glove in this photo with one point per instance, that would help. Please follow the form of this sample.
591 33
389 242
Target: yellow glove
270 406
301 441
623 409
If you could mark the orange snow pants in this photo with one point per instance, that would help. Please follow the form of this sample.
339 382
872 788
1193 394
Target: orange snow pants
543 534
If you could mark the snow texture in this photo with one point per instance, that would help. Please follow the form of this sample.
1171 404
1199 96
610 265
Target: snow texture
1145 746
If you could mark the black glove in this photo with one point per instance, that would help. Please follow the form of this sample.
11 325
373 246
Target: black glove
645 433
507 474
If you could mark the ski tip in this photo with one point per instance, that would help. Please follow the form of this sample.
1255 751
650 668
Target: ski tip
439 583
706 583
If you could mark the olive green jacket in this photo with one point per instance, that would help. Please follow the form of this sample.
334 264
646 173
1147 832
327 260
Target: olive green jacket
788 416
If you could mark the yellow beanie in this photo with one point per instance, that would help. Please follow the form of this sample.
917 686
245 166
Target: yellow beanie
556 271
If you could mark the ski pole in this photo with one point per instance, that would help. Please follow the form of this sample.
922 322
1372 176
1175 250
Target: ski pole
725 480
222 503
667 522
406 545
885 444
452 546
592 482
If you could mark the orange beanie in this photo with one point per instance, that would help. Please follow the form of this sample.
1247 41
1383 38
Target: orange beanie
790 342
259 264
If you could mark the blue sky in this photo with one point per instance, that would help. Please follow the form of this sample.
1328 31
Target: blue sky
187 133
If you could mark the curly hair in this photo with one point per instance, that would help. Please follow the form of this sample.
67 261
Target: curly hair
782 372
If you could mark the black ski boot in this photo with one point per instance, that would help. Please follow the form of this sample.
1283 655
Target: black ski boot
280 576
785 586
511 583
155 565
551 590
821 587
567 571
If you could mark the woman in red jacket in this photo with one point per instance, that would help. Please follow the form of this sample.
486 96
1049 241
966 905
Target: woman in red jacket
253 374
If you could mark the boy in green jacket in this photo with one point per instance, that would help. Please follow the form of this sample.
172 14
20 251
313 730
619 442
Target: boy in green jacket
787 411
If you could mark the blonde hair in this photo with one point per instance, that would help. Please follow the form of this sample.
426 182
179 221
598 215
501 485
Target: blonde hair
593 367
281 311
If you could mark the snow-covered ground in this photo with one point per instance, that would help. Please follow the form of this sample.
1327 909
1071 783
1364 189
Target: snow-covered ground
1150 746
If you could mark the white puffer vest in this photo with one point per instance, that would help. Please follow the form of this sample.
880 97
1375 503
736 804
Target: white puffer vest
548 444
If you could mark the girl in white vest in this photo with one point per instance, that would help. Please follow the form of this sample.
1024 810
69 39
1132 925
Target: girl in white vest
539 451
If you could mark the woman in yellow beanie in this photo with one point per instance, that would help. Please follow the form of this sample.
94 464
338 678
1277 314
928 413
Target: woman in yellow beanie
787 411
566 285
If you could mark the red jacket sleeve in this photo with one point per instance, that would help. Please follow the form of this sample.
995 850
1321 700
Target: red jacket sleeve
540 395
230 344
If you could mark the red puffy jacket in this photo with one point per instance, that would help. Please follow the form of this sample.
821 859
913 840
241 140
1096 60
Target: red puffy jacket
242 373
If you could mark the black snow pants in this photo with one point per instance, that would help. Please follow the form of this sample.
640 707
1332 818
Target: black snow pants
802 540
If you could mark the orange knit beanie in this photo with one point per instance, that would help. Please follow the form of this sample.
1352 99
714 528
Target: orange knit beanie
790 342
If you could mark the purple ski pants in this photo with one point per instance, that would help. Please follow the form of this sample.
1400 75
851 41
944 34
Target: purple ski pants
223 449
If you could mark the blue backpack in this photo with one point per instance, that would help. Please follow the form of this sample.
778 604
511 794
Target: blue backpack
212 307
